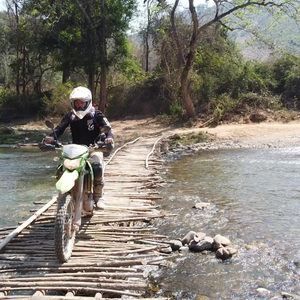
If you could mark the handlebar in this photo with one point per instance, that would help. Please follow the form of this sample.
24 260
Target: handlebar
53 146
56 145
101 146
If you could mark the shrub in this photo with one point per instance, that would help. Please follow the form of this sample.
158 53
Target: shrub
260 101
57 103
176 110
22 105
223 106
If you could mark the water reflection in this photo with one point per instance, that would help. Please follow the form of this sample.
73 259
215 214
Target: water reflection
255 200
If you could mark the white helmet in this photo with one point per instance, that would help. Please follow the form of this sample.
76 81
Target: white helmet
84 95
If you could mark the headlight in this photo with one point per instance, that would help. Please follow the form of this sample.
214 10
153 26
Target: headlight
72 164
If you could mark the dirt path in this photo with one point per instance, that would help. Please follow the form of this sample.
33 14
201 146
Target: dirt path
255 133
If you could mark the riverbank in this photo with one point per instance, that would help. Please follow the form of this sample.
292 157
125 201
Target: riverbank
258 136
255 135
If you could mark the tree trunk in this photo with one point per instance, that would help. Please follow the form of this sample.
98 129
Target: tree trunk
188 63
180 56
17 52
92 84
24 69
188 103
102 104
66 76
146 40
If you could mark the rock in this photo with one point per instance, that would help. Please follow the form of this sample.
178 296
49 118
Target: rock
183 248
175 244
263 292
199 236
167 250
289 296
220 241
201 205
188 237
164 147
225 253
205 244
202 297
258 116
249 247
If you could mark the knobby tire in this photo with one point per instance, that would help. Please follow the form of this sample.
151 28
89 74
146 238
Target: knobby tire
63 243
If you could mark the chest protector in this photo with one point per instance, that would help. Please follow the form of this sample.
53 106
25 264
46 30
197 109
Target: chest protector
84 131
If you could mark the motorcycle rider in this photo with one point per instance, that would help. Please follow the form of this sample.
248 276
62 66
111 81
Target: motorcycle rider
85 123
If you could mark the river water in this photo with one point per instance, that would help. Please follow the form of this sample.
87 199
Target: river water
25 178
254 198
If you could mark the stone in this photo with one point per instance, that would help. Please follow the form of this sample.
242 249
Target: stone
201 205
289 296
167 250
183 248
220 241
199 236
175 244
188 237
258 116
263 292
225 253
200 246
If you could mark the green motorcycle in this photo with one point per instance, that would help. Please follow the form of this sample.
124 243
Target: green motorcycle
75 179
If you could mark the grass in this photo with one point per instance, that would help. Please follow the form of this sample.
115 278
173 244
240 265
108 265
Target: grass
190 138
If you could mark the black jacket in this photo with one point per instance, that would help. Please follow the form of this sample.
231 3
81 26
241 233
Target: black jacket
85 130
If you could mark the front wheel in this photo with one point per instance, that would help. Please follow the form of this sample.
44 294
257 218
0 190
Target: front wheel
64 235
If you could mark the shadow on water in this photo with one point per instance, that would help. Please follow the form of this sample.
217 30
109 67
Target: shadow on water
25 177
255 202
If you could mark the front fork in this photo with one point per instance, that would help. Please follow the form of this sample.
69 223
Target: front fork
78 203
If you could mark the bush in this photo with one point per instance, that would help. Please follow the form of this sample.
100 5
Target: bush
223 106
57 103
22 105
176 110
266 101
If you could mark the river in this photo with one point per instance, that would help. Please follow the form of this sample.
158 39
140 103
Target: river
254 198
255 202
26 176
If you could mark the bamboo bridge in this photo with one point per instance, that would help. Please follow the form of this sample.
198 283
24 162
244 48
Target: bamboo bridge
114 249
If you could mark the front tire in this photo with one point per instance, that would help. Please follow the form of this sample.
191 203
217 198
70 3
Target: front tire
64 235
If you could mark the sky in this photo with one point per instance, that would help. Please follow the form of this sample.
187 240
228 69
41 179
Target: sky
183 3
141 16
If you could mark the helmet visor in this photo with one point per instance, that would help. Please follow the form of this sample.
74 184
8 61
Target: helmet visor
80 104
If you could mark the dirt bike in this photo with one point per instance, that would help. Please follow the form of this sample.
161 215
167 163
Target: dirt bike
75 179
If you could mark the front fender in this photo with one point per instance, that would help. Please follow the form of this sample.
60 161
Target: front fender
67 181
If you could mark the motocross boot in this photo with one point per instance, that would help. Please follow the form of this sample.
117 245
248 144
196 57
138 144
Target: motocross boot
98 193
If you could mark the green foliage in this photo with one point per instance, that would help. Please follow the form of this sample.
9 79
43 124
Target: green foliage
176 110
282 68
137 99
23 105
223 106
292 80
264 101
57 103
127 70
189 139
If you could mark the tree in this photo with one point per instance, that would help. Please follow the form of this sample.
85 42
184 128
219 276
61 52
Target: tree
85 35
222 9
